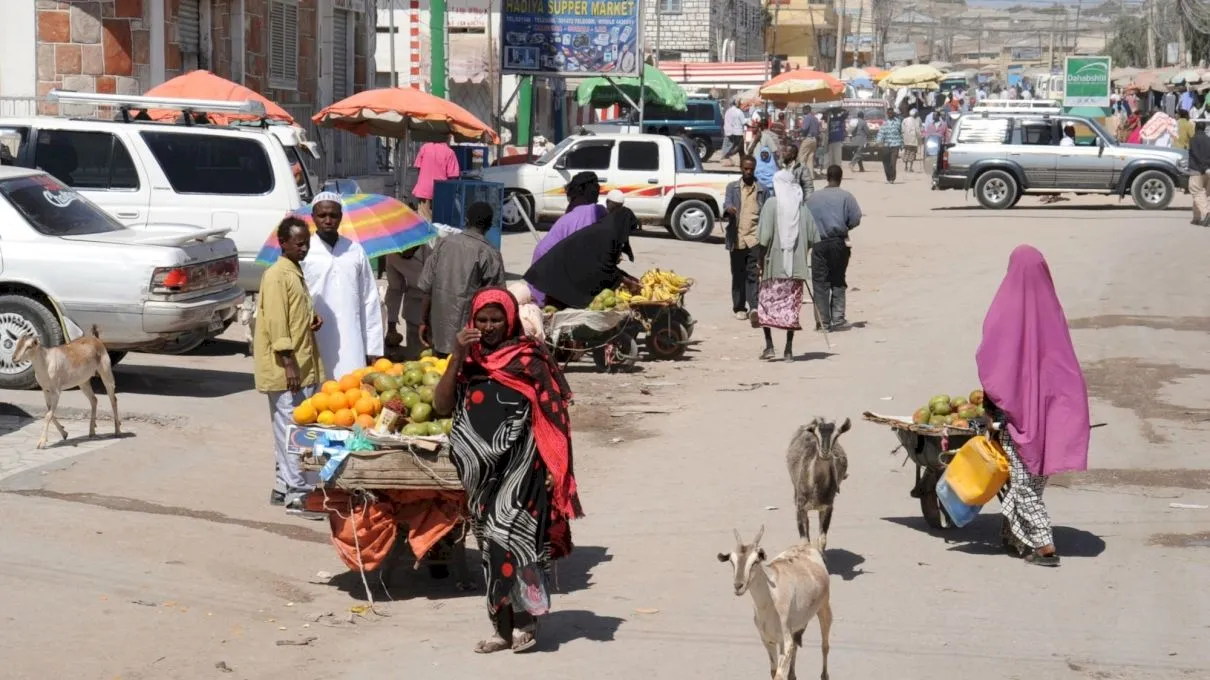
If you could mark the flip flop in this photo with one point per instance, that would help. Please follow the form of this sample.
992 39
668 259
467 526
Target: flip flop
526 641
1051 560
491 645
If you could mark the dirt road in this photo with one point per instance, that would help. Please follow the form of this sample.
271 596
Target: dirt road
156 556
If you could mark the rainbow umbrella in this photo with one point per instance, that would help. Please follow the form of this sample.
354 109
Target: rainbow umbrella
379 223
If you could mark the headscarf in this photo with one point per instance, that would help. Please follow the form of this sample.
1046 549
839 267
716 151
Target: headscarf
522 364
788 194
575 269
1157 126
766 167
327 196
1028 368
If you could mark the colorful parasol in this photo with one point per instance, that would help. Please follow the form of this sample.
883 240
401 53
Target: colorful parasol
803 86
379 223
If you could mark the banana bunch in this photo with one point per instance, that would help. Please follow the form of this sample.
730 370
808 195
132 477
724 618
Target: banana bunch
660 286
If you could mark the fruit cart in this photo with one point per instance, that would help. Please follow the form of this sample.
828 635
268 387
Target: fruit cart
931 448
666 324
408 484
607 334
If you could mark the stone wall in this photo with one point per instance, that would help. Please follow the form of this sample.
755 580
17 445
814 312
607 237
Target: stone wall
91 46
698 31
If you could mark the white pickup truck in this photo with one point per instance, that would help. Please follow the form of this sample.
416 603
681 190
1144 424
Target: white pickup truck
661 177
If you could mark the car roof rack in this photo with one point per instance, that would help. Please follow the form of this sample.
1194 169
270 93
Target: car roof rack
1018 106
128 103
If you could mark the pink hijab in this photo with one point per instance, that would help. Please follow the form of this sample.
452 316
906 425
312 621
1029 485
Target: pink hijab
1028 367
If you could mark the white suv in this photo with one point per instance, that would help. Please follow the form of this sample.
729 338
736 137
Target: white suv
144 173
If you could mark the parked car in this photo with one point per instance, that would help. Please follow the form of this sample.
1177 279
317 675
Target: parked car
701 122
661 177
64 258
1003 156
241 179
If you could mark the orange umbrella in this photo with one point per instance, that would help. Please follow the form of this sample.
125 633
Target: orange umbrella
802 86
396 111
876 74
206 85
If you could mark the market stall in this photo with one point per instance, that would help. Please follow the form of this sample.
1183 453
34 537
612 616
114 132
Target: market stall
384 467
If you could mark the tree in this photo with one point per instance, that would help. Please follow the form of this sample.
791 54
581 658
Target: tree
882 13
1128 46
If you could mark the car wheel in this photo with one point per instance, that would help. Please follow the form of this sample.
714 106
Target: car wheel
702 146
692 220
1152 190
185 343
996 190
510 216
21 316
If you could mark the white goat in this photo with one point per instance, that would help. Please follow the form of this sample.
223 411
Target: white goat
72 365
787 593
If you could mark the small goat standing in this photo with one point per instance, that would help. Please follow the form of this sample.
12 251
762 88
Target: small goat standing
818 465
787 593
72 365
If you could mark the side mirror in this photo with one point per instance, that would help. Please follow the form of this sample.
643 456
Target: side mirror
1100 147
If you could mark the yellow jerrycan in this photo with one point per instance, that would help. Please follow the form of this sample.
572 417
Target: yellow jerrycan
977 471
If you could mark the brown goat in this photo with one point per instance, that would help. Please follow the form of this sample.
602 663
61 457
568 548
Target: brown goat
817 464
71 365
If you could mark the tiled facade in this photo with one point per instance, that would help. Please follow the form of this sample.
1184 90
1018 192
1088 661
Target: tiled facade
106 46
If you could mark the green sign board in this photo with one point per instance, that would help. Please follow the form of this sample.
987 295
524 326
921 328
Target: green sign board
1086 81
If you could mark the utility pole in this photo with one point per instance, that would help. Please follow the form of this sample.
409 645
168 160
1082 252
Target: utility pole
1150 34
840 39
1076 42
657 33
860 35
776 22
394 36
932 28
1054 20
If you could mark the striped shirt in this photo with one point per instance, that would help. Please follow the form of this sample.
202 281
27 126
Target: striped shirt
891 133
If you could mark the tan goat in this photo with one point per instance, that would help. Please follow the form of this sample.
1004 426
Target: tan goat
787 592
71 365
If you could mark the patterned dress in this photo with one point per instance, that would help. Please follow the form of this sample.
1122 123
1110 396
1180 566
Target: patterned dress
1026 522
494 451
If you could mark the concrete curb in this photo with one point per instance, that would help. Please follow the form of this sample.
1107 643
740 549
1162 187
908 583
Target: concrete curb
75 413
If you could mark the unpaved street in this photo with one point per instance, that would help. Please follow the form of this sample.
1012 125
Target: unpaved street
156 556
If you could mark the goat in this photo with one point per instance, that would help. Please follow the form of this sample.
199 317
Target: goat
71 365
817 465
787 593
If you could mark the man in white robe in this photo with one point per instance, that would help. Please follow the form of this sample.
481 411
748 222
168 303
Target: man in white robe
344 291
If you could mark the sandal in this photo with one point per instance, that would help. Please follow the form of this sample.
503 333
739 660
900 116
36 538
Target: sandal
1034 557
525 640
492 644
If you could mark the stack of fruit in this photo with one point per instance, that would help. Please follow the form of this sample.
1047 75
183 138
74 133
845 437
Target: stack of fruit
658 286
943 410
360 398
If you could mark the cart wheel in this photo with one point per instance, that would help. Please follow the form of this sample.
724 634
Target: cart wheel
934 515
667 341
620 352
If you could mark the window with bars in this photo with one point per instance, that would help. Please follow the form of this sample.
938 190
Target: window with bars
669 6
283 44
189 32
342 54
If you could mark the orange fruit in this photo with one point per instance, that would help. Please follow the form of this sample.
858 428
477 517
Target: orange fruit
305 414
319 401
349 382
345 418
377 406
383 364
395 370
366 421
326 418
337 401
330 387
364 406
353 396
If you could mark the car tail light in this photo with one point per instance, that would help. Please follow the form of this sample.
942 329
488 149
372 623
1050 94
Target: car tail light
195 276
943 160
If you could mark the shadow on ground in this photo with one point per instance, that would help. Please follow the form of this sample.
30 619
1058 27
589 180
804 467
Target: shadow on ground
844 563
562 626
219 348
982 537
169 381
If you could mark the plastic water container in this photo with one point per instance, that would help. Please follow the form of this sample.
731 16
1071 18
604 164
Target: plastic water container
977 471
960 513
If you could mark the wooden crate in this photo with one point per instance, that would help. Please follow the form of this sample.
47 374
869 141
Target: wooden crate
422 465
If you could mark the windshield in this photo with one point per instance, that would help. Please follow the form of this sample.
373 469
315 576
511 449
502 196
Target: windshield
550 155
54 209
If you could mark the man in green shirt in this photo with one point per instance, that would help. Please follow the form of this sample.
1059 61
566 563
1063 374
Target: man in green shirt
288 367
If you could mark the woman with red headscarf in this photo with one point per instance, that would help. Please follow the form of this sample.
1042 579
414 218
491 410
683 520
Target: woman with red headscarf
511 444
1034 391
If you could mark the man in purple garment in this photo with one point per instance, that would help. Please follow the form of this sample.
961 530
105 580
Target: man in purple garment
582 191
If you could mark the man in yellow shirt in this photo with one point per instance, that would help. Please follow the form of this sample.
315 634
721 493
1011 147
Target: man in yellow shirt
288 366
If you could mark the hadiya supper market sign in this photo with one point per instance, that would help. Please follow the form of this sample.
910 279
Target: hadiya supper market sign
570 37
1086 81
